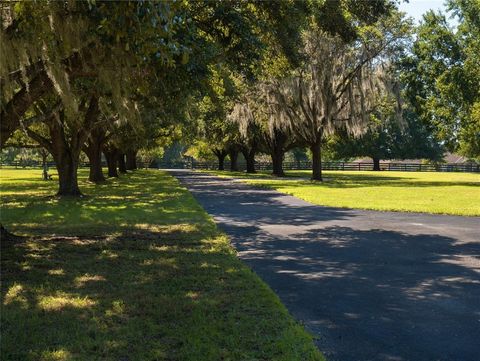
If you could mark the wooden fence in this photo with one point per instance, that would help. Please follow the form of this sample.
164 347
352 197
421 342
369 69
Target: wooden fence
350 166
267 166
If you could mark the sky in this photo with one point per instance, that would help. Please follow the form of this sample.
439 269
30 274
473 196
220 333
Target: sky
416 8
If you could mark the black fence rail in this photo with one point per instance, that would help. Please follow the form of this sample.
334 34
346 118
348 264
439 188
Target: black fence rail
27 164
39 164
267 166
352 166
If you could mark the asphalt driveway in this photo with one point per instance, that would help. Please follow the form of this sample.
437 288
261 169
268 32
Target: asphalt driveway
370 285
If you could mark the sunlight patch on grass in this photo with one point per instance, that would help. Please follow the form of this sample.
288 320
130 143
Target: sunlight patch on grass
56 355
81 281
62 300
16 293
161 229
117 309
56 272
193 295
107 254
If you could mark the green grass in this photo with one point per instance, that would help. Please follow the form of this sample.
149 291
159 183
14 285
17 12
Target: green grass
135 271
441 193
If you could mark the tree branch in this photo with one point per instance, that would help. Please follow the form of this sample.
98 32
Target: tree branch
44 142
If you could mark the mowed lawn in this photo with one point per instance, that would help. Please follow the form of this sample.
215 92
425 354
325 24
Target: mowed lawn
442 193
134 271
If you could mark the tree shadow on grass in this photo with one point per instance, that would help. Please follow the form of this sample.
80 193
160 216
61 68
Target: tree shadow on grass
151 298
137 271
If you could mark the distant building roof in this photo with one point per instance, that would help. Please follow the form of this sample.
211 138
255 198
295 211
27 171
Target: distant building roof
454 158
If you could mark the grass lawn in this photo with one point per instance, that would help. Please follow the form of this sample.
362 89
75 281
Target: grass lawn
444 193
134 271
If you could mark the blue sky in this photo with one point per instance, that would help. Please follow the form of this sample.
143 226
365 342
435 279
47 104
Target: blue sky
416 8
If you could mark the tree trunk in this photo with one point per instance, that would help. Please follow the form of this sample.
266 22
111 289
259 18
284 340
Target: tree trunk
250 158
315 148
66 149
122 167
277 147
112 157
221 154
221 161
131 159
66 154
93 150
6 236
233 160
67 166
376 163
94 154
96 172
44 154
277 162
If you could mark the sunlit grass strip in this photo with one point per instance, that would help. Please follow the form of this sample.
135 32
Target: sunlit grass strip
438 193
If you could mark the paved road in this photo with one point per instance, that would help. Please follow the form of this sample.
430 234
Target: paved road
371 285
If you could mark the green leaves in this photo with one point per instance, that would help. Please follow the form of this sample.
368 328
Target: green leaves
443 76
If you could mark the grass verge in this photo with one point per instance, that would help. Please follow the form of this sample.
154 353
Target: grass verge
440 193
136 271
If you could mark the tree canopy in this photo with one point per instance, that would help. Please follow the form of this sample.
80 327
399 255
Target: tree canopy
443 78
119 78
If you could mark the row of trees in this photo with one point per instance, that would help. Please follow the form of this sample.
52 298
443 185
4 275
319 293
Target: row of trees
120 78
72 78
385 92
117 77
